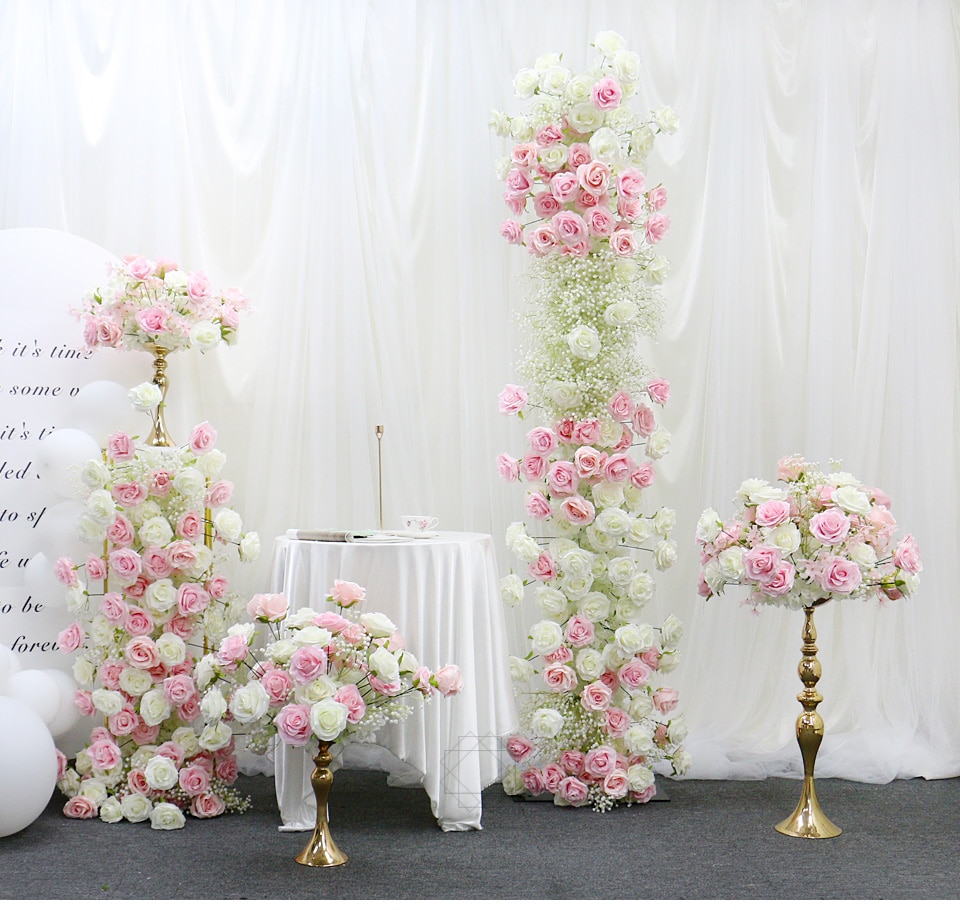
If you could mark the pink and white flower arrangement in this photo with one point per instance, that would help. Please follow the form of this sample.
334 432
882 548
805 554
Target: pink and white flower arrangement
595 718
148 597
327 676
148 302
818 537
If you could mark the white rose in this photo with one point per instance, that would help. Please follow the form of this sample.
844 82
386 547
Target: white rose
565 395
638 740
135 681
94 474
175 279
154 707
526 82
657 269
731 563
110 811
160 596
658 444
189 482
215 736
249 546
627 610
665 554
785 536
94 790
91 531
83 763
511 590
621 570
545 636
709 526
559 547
312 635
552 604
600 540
204 672
608 43
595 606
625 270
322 688
303 618
575 588
639 777
166 817
632 639
667 120
521 129
713 576
641 588
607 494
520 669
69 784
172 649
851 499
107 702
384 664
513 784
135 807
213 706
499 122
623 312
83 671
553 157
546 723
641 531
544 61
514 530
147 510
641 142
578 90
681 761
140 758
754 490
668 661
101 507
584 118
615 522
249 702
75 597
145 397
677 729
211 463
100 631
863 554
590 664
186 739
554 79
605 145
641 706
611 432
577 562
670 631
161 773
526 549
328 719
584 342
664 521
280 651
205 336
228 525
626 66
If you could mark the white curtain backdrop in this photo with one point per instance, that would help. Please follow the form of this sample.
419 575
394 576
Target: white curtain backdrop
332 158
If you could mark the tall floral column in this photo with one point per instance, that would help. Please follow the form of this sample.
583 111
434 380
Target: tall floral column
595 716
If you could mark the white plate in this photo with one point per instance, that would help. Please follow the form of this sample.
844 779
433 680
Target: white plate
418 535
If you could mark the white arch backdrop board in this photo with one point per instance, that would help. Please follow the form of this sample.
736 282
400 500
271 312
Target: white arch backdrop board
333 160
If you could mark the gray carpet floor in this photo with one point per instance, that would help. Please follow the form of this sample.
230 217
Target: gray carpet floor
710 840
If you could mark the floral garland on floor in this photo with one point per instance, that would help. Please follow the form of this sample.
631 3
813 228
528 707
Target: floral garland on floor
153 593
329 676
593 720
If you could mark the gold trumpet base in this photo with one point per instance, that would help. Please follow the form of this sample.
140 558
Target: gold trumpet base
808 819
321 851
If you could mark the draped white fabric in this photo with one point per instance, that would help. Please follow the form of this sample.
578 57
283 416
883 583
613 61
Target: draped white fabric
333 160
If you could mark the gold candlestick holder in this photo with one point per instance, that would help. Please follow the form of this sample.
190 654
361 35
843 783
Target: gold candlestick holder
322 851
159 434
808 819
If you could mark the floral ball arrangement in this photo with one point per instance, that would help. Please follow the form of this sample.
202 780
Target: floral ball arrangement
595 718
313 676
820 536
146 600
149 302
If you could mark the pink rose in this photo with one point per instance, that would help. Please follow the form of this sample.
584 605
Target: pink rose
633 674
194 779
190 526
569 227
537 506
308 663
203 438
587 200
630 183
665 700
572 761
155 563
218 586
599 762
644 421
137 621
198 287
579 631
760 563
182 554
268 607
173 751
512 231
559 678
332 621
120 532
540 240
657 198
293 725
651 658
562 478
129 494
516 204
83 701
659 390
104 754
233 649
145 734
578 154
71 638
141 652
781 582
207 805
830 526
773 512
227 768
841 576
623 242
278 685
524 154
573 791
65 571
561 655
178 689
565 428
189 711
552 776
578 511
629 209
621 406
907 556
542 440
518 182
80 807
546 205
124 722
125 564
615 784
120 447
160 483
508 467
643 475
606 94
564 186
219 493
533 781
790 467
140 267
549 134
385 687
533 466
349 696
152 320
346 593
596 696
109 673
181 626
656 228
594 177
587 432
449 680
543 568
618 468
588 461
192 599
617 721
96 568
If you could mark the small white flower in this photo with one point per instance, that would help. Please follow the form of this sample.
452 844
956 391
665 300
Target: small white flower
145 397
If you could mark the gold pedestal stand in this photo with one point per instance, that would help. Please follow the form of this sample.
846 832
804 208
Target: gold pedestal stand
808 819
322 851
159 435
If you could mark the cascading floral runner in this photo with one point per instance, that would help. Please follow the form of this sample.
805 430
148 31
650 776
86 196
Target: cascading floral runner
595 718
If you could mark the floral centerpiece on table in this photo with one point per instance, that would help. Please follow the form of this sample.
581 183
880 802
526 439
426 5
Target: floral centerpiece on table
820 536
153 303
146 600
595 719
313 676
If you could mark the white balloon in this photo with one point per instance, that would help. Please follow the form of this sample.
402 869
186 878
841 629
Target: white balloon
67 714
28 766
38 691
9 664
60 456
40 581
57 533
103 408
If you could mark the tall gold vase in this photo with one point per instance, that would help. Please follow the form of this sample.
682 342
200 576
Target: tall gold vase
322 851
808 819
159 435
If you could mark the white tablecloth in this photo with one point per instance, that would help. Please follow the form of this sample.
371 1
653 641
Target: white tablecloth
444 595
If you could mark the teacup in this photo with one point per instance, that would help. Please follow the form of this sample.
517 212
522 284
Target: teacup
419 524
